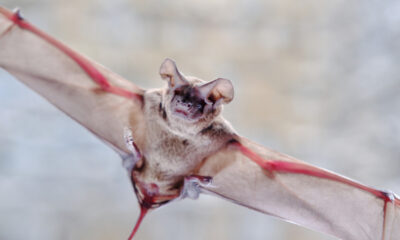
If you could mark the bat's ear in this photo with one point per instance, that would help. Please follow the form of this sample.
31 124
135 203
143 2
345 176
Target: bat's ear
217 91
170 72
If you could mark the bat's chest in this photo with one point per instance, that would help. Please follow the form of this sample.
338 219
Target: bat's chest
170 155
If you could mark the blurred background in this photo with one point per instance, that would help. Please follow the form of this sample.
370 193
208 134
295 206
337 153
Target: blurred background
317 80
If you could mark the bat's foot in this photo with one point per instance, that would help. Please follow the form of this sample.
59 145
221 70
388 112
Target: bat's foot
135 157
191 186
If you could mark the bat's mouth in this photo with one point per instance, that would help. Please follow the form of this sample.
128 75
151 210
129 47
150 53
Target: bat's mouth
187 113
182 112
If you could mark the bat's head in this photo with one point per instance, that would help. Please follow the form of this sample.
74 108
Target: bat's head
189 99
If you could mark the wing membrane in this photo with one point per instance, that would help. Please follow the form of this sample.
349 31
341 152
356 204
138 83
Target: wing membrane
334 205
100 100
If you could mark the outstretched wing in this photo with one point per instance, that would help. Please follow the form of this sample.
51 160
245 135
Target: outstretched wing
267 181
100 100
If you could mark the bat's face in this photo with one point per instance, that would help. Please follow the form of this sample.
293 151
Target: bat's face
191 100
188 104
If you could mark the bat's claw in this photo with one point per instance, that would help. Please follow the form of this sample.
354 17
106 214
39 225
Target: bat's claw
17 14
130 160
390 196
192 184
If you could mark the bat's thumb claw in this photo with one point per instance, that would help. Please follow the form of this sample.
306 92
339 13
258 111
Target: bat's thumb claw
17 13
130 160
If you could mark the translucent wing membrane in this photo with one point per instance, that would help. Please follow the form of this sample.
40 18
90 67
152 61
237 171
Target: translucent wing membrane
100 100
279 185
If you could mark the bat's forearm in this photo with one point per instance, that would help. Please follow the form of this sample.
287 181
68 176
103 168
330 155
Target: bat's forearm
83 62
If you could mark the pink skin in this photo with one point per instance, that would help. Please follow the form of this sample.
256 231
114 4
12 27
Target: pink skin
183 112
300 168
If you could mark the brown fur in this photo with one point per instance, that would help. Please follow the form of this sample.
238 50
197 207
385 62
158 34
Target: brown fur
175 147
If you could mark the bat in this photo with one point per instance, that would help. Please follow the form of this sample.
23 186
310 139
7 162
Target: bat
175 144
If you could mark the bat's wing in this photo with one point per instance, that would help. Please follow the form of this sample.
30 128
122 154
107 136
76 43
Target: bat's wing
253 176
100 100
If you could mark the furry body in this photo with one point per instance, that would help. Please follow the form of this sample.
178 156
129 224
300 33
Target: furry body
174 148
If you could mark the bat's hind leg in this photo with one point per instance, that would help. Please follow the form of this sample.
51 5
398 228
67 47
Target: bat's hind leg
134 157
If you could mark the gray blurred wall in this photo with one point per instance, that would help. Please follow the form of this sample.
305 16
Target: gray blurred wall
318 80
